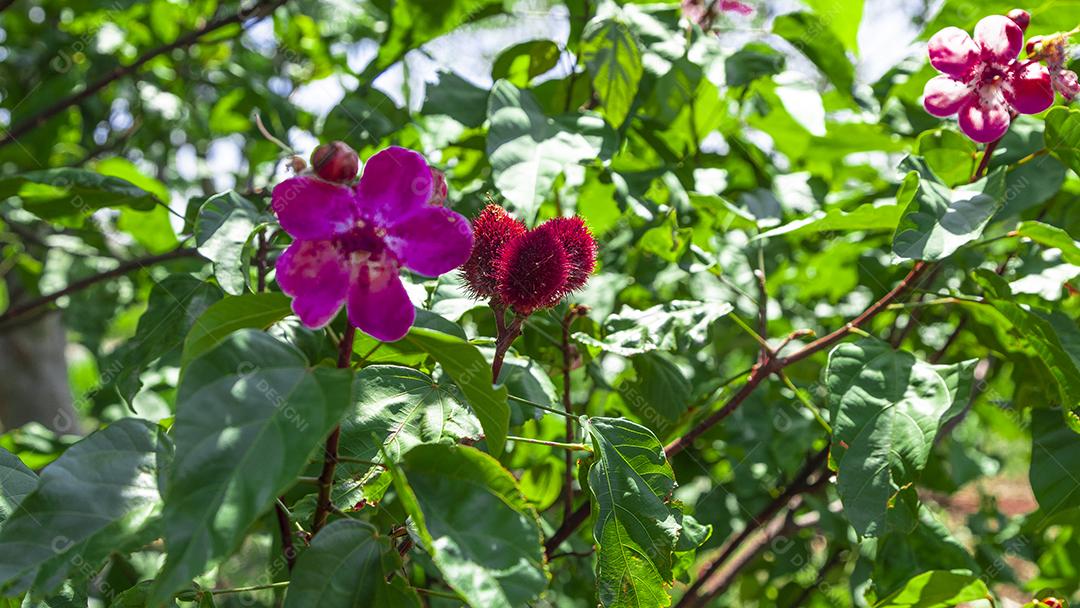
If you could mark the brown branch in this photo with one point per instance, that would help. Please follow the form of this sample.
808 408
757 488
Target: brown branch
122 269
568 354
759 373
323 503
258 10
284 526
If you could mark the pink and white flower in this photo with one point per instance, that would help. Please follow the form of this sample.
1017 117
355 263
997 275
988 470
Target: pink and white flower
982 81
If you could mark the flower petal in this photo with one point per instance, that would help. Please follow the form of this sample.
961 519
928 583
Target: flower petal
984 120
1066 83
999 38
1028 88
317 277
944 96
381 307
953 52
312 209
395 181
431 240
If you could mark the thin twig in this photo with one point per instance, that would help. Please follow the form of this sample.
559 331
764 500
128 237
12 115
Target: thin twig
326 477
285 529
24 127
122 269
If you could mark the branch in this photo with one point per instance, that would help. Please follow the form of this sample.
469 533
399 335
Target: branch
326 477
122 269
31 123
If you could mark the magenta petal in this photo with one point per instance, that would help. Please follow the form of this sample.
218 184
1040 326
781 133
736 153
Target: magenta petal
1066 83
1028 88
317 277
395 181
984 120
431 240
381 307
944 96
953 52
999 38
312 209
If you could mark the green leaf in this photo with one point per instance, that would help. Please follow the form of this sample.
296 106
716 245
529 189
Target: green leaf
668 326
100 496
886 409
613 59
659 393
250 415
753 61
225 224
863 217
398 408
937 589
478 527
16 481
843 17
668 241
414 22
815 38
1063 135
472 373
1055 450
457 98
174 305
636 530
347 565
522 62
938 220
949 154
57 193
151 228
1052 236
528 151
251 310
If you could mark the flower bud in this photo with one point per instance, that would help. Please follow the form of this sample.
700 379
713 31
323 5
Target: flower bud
335 162
1032 46
1020 17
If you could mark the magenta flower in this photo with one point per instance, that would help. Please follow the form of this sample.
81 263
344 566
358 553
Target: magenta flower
982 80
350 242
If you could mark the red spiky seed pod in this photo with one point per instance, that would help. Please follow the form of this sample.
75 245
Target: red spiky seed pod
532 271
1020 17
335 162
493 228
580 247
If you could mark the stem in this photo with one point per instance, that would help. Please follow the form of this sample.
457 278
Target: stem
573 447
541 407
352 460
988 151
326 478
245 589
568 360
122 269
31 123
502 344
285 529
435 593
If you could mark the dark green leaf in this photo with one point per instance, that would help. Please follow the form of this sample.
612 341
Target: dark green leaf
664 326
346 566
522 62
751 62
254 310
16 481
100 496
250 415
1054 237
414 22
1055 450
56 193
474 521
225 224
1063 135
613 59
814 37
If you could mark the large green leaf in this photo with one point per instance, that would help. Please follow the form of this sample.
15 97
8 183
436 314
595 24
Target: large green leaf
613 59
522 62
1055 450
659 393
843 17
473 520
57 193
937 589
1052 236
938 220
250 415
102 495
254 310
636 530
398 408
886 409
225 224
16 481
175 304
472 373
1063 136
152 228
414 22
814 36
347 566
528 151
